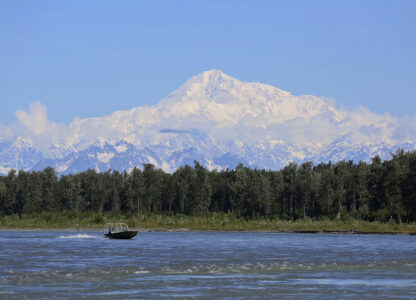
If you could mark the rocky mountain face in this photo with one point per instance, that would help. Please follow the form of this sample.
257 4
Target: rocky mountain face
216 120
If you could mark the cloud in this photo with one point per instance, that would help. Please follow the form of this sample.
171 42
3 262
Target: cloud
36 119
406 129
362 125
5 132
34 124
150 125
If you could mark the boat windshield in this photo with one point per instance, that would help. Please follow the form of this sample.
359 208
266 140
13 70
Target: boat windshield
116 227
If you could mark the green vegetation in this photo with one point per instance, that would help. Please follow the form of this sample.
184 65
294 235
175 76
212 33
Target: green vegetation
375 197
206 221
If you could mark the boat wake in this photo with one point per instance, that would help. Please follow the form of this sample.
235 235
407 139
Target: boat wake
80 236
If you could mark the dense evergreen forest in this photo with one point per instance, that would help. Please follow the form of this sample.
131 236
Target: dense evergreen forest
381 190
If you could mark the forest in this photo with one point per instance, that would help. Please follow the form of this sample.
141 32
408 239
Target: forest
377 191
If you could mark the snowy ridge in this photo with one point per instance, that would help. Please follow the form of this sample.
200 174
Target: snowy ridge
216 120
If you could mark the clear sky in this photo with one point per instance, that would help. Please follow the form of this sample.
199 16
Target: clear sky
90 58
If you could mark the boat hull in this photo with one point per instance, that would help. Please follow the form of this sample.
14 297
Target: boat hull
123 235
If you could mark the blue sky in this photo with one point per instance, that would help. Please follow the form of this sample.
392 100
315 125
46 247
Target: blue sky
90 58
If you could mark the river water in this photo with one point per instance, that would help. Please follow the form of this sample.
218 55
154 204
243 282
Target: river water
207 265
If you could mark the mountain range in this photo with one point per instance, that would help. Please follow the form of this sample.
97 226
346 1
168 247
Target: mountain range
214 119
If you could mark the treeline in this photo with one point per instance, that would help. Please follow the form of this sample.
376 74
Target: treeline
381 190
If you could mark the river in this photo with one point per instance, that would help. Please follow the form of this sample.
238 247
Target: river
208 265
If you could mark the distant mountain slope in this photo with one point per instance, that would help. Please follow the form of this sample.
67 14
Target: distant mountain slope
216 120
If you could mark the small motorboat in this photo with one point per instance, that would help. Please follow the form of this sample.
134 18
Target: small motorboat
118 231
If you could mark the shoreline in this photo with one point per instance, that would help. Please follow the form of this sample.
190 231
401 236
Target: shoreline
143 230
210 222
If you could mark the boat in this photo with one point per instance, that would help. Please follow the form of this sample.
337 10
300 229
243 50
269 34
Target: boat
118 231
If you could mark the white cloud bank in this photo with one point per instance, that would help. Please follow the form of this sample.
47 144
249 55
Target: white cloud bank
223 108
33 124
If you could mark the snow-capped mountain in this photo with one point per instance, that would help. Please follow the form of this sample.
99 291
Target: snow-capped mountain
216 120
342 149
101 156
20 154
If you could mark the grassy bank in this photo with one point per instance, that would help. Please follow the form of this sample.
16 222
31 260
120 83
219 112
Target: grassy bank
209 221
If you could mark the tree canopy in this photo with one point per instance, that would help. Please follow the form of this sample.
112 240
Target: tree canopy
380 190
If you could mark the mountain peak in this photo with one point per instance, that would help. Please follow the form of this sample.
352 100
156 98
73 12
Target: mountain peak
216 84
213 76
207 83
215 96
211 81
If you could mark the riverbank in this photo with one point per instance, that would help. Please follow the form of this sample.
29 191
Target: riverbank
204 222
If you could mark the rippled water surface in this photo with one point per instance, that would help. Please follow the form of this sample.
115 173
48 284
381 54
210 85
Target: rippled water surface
54 264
